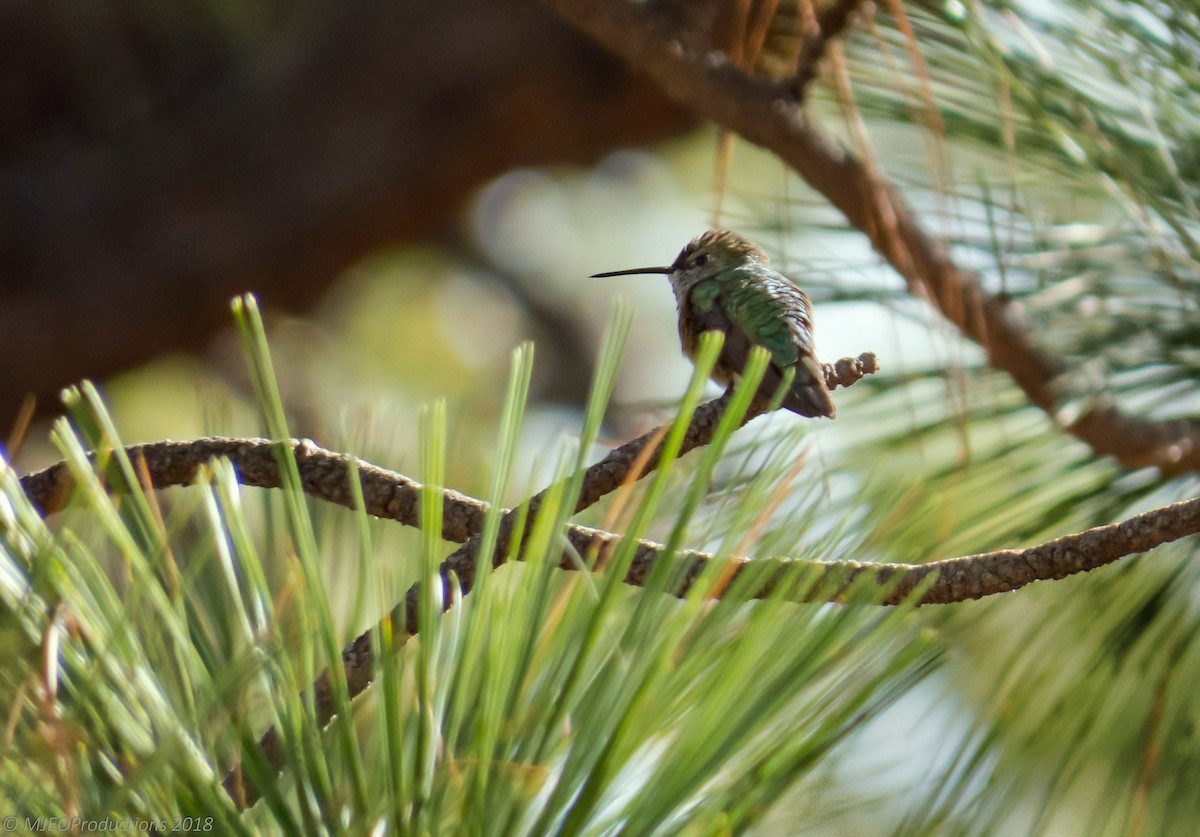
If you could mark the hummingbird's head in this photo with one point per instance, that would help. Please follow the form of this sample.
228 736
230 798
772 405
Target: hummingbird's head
707 255
710 254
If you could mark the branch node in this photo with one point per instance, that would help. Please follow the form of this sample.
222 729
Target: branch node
844 372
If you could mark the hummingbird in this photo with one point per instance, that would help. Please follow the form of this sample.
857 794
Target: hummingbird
722 282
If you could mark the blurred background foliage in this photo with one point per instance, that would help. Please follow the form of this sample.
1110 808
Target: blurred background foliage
1053 147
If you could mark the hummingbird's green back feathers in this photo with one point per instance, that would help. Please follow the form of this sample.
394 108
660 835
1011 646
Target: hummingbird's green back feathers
754 305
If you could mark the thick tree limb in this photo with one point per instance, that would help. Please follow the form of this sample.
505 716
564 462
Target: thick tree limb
766 114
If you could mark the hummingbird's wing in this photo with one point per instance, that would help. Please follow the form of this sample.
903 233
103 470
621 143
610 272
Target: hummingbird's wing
762 308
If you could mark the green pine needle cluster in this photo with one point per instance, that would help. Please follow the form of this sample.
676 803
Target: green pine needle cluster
152 641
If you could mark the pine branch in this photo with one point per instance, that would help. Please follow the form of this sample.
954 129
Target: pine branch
325 475
765 113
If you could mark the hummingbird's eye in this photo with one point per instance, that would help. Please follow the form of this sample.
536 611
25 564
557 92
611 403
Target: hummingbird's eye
701 260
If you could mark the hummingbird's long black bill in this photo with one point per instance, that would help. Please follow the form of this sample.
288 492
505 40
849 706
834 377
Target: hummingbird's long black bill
635 272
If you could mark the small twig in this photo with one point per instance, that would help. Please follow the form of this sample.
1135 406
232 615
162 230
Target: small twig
831 22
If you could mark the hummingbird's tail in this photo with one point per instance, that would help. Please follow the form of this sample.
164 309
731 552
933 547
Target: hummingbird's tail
809 396
811 400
